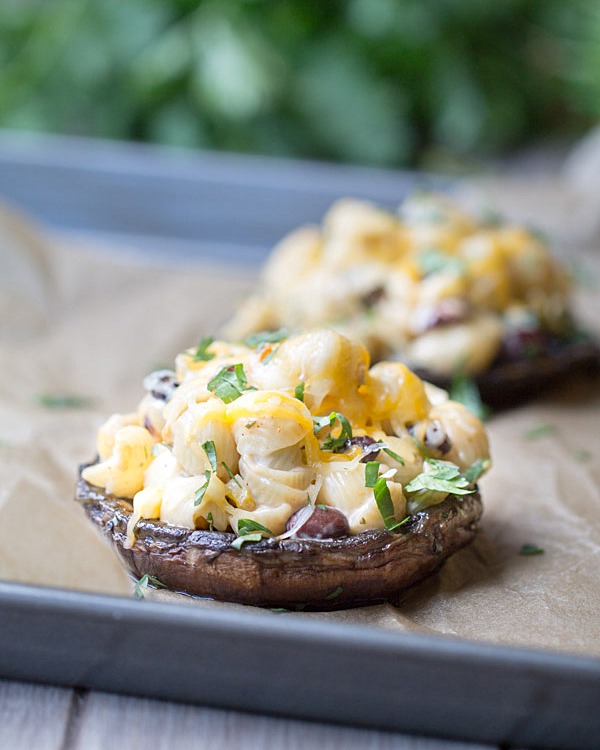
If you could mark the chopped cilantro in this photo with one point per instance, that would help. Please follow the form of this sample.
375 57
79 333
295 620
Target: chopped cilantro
445 477
211 453
371 473
231 474
265 337
540 431
209 518
201 491
531 549
238 541
229 383
384 502
202 354
433 261
476 469
582 455
299 392
335 444
247 525
464 390
334 594
321 506
392 454
141 586
63 401
320 422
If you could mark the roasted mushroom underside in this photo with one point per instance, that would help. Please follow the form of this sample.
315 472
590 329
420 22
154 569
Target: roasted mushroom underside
320 574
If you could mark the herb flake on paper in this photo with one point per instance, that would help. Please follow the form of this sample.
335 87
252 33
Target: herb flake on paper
540 431
529 550
141 586
63 401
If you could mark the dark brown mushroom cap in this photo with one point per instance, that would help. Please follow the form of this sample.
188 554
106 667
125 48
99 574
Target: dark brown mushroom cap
364 568
508 383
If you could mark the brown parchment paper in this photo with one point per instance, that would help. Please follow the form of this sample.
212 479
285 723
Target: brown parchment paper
91 322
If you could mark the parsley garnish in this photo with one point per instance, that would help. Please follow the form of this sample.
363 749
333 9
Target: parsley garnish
335 444
531 549
435 261
299 392
444 477
582 455
385 505
201 491
231 474
229 383
201 354
320 506
249 531
371 473
140 586
391 454
247 525
265 337
211 453
63 401
238 541
464 390
209 518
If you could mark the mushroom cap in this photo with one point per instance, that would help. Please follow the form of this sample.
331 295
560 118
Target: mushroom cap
365 568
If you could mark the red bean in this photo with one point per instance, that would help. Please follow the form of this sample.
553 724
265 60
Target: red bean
314 522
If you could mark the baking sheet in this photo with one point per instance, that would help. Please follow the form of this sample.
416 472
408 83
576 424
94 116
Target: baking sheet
84 324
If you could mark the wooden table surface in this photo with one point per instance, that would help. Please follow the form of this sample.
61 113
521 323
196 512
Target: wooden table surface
53 718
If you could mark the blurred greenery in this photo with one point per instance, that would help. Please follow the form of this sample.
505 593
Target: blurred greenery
386 82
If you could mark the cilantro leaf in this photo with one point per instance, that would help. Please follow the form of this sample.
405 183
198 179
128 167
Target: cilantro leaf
247 525
201 491
392 454
265 337
229 383
209 518
433 261
371 473
202 354
335 444
464 390
299 392
63 401
531 549
231 474
542 430
384 502
211 453
238 541
141 586
476 469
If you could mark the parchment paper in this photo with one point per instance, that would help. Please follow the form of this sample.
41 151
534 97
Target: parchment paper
91 322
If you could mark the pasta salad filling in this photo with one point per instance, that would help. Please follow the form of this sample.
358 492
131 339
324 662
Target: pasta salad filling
430 285
288 435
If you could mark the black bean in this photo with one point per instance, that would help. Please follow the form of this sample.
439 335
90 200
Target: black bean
365 442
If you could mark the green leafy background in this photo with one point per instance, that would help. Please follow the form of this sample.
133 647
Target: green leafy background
384 82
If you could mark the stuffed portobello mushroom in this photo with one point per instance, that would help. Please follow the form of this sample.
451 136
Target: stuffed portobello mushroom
285 471
433 287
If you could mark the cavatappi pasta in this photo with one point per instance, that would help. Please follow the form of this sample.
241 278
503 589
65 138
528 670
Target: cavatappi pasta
430 285
242 436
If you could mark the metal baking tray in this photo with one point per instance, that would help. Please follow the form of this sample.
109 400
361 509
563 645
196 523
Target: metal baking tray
190 204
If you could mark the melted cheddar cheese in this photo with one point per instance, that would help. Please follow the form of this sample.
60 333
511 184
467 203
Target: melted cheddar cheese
235 435
430 285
